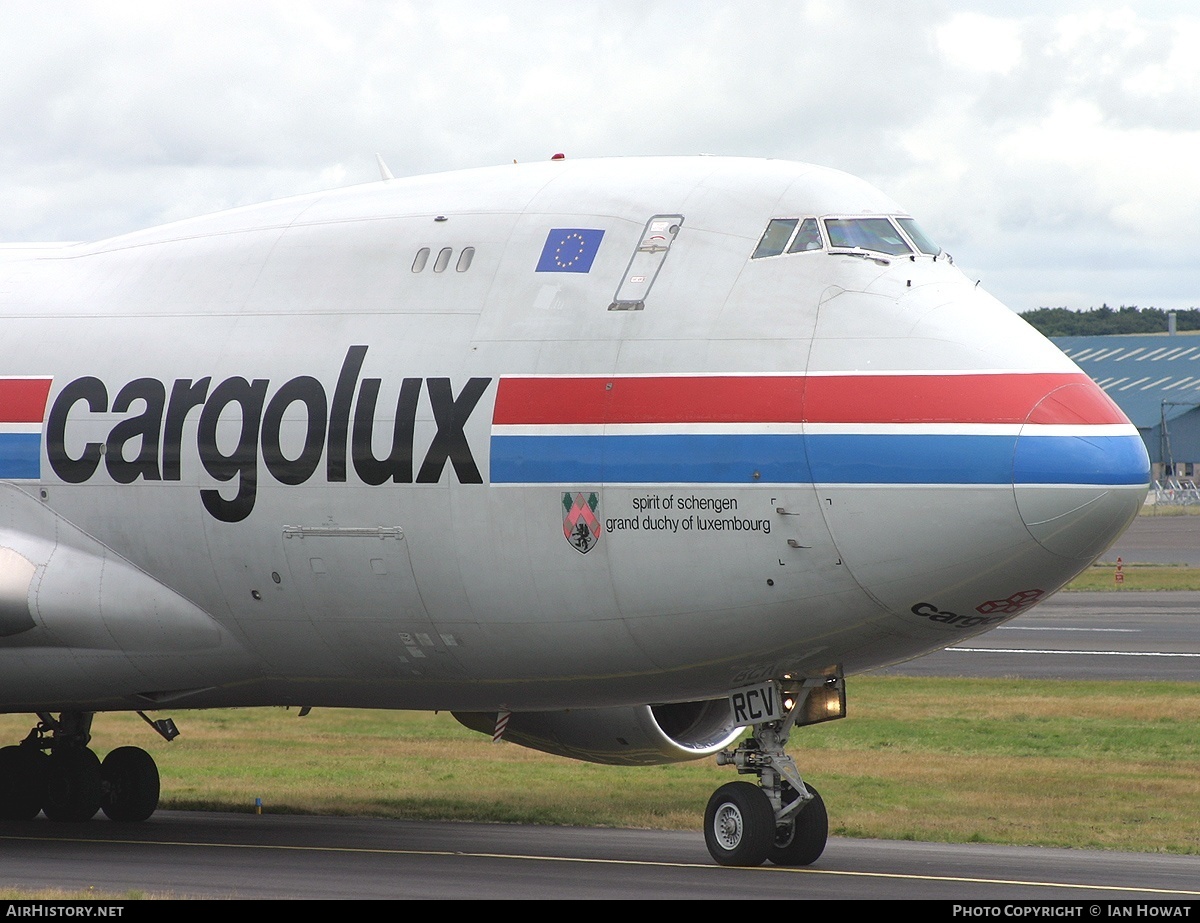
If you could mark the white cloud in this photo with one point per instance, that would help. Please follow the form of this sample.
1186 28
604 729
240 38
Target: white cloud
1024 137
976 42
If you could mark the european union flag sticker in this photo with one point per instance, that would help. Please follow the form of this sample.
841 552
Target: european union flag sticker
570 249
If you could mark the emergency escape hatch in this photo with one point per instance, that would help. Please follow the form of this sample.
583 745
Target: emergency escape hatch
647 260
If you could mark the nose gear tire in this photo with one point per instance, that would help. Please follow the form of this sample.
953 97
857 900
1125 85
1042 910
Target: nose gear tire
801 841
739 825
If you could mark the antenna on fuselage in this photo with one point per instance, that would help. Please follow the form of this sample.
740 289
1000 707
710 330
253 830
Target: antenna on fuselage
384 172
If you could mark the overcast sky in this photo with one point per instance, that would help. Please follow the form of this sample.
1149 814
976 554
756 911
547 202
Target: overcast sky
1053 148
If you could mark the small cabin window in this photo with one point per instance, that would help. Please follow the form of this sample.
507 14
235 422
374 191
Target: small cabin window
443 260
421 259
775 238
464 259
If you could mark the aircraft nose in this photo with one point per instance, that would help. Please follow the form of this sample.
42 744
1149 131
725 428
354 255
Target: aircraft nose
1080 471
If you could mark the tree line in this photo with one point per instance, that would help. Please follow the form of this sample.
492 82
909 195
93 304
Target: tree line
1063 322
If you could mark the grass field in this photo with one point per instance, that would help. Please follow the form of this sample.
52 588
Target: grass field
1090 765
1137 577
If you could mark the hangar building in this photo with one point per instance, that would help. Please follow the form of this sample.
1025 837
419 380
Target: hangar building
1155 379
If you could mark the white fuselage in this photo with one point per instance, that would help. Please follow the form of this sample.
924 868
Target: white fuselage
286 458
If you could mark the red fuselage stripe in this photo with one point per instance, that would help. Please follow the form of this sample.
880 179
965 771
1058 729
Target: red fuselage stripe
23 400
985 398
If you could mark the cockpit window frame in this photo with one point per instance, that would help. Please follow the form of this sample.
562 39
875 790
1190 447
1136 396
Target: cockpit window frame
860 242
768 244
812 226
817 235
917 236
772 243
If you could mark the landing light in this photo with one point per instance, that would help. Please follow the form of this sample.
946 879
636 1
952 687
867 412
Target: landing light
824 703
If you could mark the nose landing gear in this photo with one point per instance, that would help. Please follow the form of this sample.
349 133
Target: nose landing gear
782 819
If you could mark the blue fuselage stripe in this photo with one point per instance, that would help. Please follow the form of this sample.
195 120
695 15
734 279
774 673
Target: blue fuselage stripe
821 458
20 455
1110 460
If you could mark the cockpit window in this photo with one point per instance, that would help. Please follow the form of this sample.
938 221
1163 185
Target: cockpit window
807 238
865 235
775 238
918 237
878 234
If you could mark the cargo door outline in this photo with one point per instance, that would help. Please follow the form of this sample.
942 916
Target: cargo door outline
388 631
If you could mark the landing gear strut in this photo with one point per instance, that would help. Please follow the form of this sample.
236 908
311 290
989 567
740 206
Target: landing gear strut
53 771
782 819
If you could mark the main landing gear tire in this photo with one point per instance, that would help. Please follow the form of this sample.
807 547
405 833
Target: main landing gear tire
739 825
129 785
22 782
72 785
802 840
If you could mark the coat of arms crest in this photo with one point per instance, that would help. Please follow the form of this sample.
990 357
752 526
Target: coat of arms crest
581 525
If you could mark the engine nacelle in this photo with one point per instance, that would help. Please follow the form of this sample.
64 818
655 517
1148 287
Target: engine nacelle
644 735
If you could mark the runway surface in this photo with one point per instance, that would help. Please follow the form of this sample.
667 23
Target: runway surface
1159 540
1125 635
246 856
